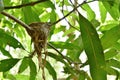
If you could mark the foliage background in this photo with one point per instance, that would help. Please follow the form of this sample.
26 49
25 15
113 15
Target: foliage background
83 48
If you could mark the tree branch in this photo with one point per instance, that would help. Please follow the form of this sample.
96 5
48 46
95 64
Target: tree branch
70 12
24 5
64 57
33 3
16 20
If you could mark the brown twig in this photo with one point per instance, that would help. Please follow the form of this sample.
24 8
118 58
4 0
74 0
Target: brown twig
59 53
26 26
66 18
70 12
24 5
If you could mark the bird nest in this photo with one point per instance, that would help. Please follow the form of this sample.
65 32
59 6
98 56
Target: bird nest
39 32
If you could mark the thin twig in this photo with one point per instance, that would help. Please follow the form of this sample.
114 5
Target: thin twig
24 5
59 52
66 18
26 26
70 12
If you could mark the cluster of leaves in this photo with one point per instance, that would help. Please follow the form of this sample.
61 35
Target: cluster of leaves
98 38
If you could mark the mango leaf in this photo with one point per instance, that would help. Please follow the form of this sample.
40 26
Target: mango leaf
59 29
5 52
113 8
32 16
21 77
114 63
67 32
9 40
93 49
117 46
60 59
90 12
45 17
47 4
95 23
75 53
1 5
9 76
52 19
53 16
7 3
103 12
108 26
112 71
51 70
82 75
110 37
24 64
66 2
7 64
64 45
110 54
19 31
33 69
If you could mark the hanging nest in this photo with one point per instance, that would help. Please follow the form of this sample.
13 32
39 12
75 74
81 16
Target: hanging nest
39 32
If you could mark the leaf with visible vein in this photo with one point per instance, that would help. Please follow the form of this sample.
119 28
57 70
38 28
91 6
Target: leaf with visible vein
93 49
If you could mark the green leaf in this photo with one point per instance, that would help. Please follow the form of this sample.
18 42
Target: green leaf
103 12
22 77
5 52
110 54
95 23
93 49
59 29
9 76
60 59
57 58
24 64
19 31
75 53
67 32
33 69
47 4
117 46
32 16
90 12
113 8
1 5
109 25
53 16
45 17
110 37
112 71
7 64
52 19
114 63
82 75
64 45
51 70
9 40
